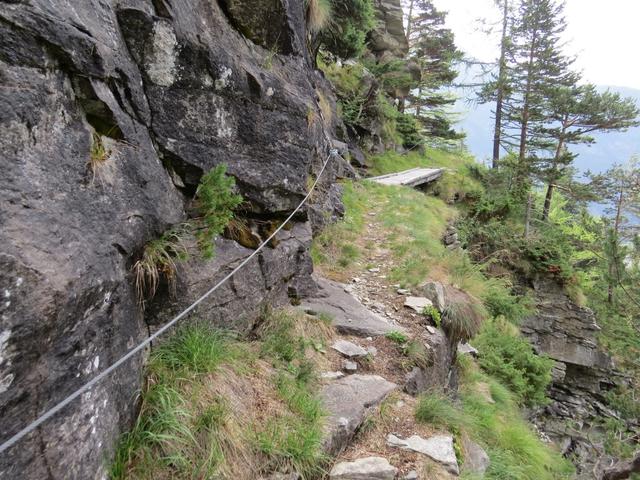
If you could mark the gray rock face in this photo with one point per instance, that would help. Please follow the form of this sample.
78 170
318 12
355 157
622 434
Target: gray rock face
347 400
434 291
440 373
582 374
369 468
439 448
388 37
348 315
568 334
170 89
476 460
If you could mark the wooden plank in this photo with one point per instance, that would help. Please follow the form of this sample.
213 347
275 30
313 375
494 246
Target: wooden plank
410 178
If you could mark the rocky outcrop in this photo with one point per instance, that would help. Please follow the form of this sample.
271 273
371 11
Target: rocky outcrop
388 38
166 91
582 375
567 333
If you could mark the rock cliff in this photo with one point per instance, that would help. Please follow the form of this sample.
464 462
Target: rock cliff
582 375
167 90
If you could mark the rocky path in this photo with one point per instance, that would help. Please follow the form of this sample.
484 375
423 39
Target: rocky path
371 383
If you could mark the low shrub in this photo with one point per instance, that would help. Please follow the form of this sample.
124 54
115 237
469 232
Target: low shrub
434 314
503 353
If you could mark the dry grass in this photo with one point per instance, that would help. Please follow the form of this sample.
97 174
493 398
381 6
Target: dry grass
463 315
318 15
158 263
326 111
98 156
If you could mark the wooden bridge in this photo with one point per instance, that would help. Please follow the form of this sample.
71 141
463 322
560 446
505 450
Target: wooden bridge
410 178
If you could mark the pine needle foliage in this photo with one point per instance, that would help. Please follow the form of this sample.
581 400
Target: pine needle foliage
216 201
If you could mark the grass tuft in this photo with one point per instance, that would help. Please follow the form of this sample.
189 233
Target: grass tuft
158 263
463 315
318 15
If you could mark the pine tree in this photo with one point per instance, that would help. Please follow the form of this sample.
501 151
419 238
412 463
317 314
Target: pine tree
536 67
619 188
575 113
497 89
432 48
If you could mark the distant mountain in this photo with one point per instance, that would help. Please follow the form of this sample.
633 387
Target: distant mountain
477 122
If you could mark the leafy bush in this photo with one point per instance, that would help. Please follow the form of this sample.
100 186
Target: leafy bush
501 302
216 201
504 354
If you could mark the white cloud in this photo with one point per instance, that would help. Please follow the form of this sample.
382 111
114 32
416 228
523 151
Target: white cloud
603 35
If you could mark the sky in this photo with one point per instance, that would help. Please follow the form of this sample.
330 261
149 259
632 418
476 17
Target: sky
605 36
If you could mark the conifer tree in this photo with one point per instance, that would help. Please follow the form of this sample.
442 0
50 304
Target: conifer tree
432 48
575 112
619 188
537 67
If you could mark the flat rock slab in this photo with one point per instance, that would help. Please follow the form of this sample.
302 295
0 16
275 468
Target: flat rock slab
349 349
410 178
439 448
347 401
348 315
418 303
369 468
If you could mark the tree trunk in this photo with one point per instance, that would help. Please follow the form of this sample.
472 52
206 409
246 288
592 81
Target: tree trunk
524 127
527 216
556 159
547 201
501 86
613 262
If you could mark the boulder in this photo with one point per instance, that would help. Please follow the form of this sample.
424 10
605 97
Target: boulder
435 292
466 349
418 303
347 314
369 468
349 349
439 448
476 460
347 401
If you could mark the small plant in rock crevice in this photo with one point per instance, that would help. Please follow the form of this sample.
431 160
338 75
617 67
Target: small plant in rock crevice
98 155
158 262
397 337
216 201
434 314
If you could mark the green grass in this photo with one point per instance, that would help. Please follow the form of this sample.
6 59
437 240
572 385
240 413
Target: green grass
212 406
397 337
437 410
515 450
